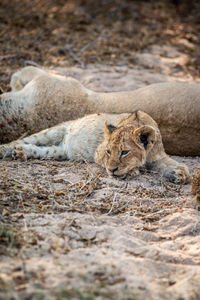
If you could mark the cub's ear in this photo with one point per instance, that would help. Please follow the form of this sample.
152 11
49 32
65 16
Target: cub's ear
145 136
108 129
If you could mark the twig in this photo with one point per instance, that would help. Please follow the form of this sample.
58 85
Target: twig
88 45
31 63
53 201
113 203
123 206
157 213
22 136
74 56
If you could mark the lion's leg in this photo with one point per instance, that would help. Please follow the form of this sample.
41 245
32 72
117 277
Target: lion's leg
25 151
6 150
171 169
45 144
20 78
47 137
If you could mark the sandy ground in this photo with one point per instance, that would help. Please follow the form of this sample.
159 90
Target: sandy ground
77 234
70 232
67 230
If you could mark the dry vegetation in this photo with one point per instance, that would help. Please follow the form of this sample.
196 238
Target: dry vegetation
65 33
54 210
67 230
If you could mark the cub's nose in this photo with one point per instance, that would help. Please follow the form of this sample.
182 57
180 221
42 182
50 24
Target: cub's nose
113 170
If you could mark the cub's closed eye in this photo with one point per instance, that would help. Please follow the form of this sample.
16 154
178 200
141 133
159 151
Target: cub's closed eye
124 152
108 152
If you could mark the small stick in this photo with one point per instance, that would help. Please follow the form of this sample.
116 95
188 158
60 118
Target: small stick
74 56
88 45
113 203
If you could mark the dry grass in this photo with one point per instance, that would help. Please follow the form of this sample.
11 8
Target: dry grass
68 231
32 192
108 32
54 187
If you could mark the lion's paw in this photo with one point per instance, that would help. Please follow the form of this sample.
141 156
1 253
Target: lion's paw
5 151
179 175
19 153
131 174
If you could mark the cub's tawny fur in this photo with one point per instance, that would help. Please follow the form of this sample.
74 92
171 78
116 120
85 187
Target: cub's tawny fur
40 99
121 143
196 186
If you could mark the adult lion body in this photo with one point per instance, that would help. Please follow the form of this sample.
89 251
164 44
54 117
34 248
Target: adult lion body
40 99
121 143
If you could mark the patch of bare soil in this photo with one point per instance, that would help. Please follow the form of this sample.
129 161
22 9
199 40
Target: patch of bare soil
67 230
77 32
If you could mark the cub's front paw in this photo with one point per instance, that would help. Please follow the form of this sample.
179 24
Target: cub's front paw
179 175
5 151
133 173
19 153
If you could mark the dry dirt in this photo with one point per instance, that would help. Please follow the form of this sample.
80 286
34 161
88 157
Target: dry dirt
67 230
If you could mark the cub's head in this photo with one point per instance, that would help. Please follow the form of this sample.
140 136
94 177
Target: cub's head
126 148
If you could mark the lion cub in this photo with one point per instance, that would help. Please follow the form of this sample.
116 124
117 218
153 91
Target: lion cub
121 143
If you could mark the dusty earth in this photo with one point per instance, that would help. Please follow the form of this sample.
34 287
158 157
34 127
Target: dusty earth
67 230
